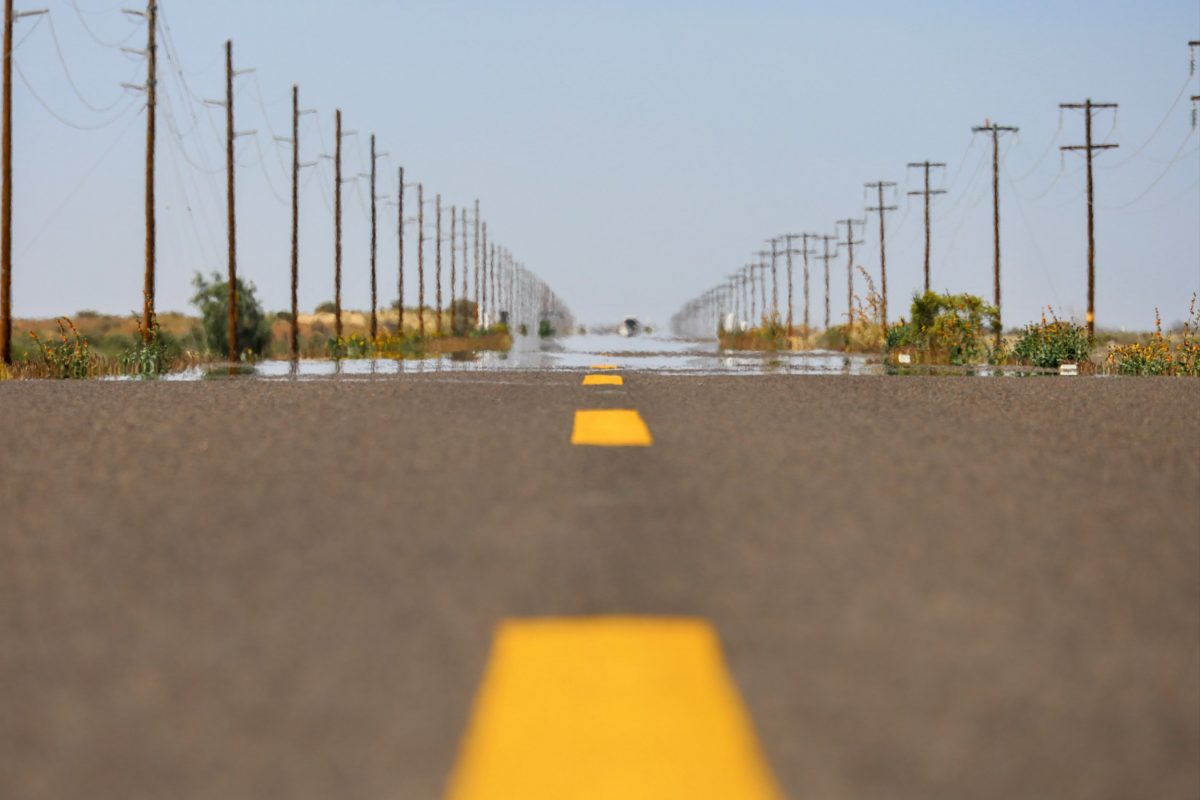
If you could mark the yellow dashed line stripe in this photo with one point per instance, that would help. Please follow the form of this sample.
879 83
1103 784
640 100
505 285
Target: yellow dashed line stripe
611 428
610 709
604 366
603 380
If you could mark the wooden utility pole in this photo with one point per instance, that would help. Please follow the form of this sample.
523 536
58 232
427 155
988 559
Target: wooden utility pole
421 260
774 279
438 258
6 195
850 242
453 259
491 279
788 238
232 217
735 299
827 257
478 304
337 225
763 255
466 267
231 135
927 193
296 165
148 292
400 222
6 186
745 285
515 269
1089 147
481 275
882 209
374 248
995 131
750 270
807 296
295 334
739 293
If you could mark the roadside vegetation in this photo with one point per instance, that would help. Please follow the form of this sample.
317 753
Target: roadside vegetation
1161 355
958 330
93 345
949 329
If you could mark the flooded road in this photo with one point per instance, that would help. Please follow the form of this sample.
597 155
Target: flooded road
660 354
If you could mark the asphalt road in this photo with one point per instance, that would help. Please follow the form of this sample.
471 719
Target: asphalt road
926 588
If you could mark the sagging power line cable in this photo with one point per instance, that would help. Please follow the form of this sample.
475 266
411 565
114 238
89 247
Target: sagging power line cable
36 22
1179 156
1046 152
62 60
1183 92
1037 250
64 120
80 13
79 186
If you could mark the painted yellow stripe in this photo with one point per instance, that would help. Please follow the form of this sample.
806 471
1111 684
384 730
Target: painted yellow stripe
603 380
610 428
604 366
610 709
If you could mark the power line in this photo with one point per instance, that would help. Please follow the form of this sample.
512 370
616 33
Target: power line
1179 156
79 12
1049 149
1183 90
79 126
62 60
79 186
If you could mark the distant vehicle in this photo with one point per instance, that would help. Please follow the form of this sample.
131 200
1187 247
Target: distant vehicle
629 327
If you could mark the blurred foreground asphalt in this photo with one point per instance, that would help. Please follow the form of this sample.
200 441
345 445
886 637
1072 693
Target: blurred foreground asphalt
926 588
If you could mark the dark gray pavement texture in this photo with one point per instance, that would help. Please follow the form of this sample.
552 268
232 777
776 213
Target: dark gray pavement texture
927 588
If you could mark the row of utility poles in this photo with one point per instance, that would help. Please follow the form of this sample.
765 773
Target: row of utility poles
503 288
741 293
712 308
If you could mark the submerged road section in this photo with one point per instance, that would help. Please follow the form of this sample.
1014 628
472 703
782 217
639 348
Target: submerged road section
841 587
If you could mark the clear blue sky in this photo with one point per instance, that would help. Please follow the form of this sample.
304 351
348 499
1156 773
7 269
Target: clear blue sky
632 153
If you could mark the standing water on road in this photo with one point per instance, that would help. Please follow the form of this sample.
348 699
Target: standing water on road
644 353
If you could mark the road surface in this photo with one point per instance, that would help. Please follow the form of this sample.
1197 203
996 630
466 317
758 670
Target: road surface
924 588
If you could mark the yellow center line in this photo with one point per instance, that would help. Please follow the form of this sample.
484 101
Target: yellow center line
610 708
603 380
604 366
610 428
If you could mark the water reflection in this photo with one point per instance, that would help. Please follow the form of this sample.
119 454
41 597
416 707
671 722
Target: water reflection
575 353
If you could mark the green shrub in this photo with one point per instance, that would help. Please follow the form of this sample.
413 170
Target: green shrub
212 298
150 356
70 358
545 329
328 307
1052 344
354 346
946 327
